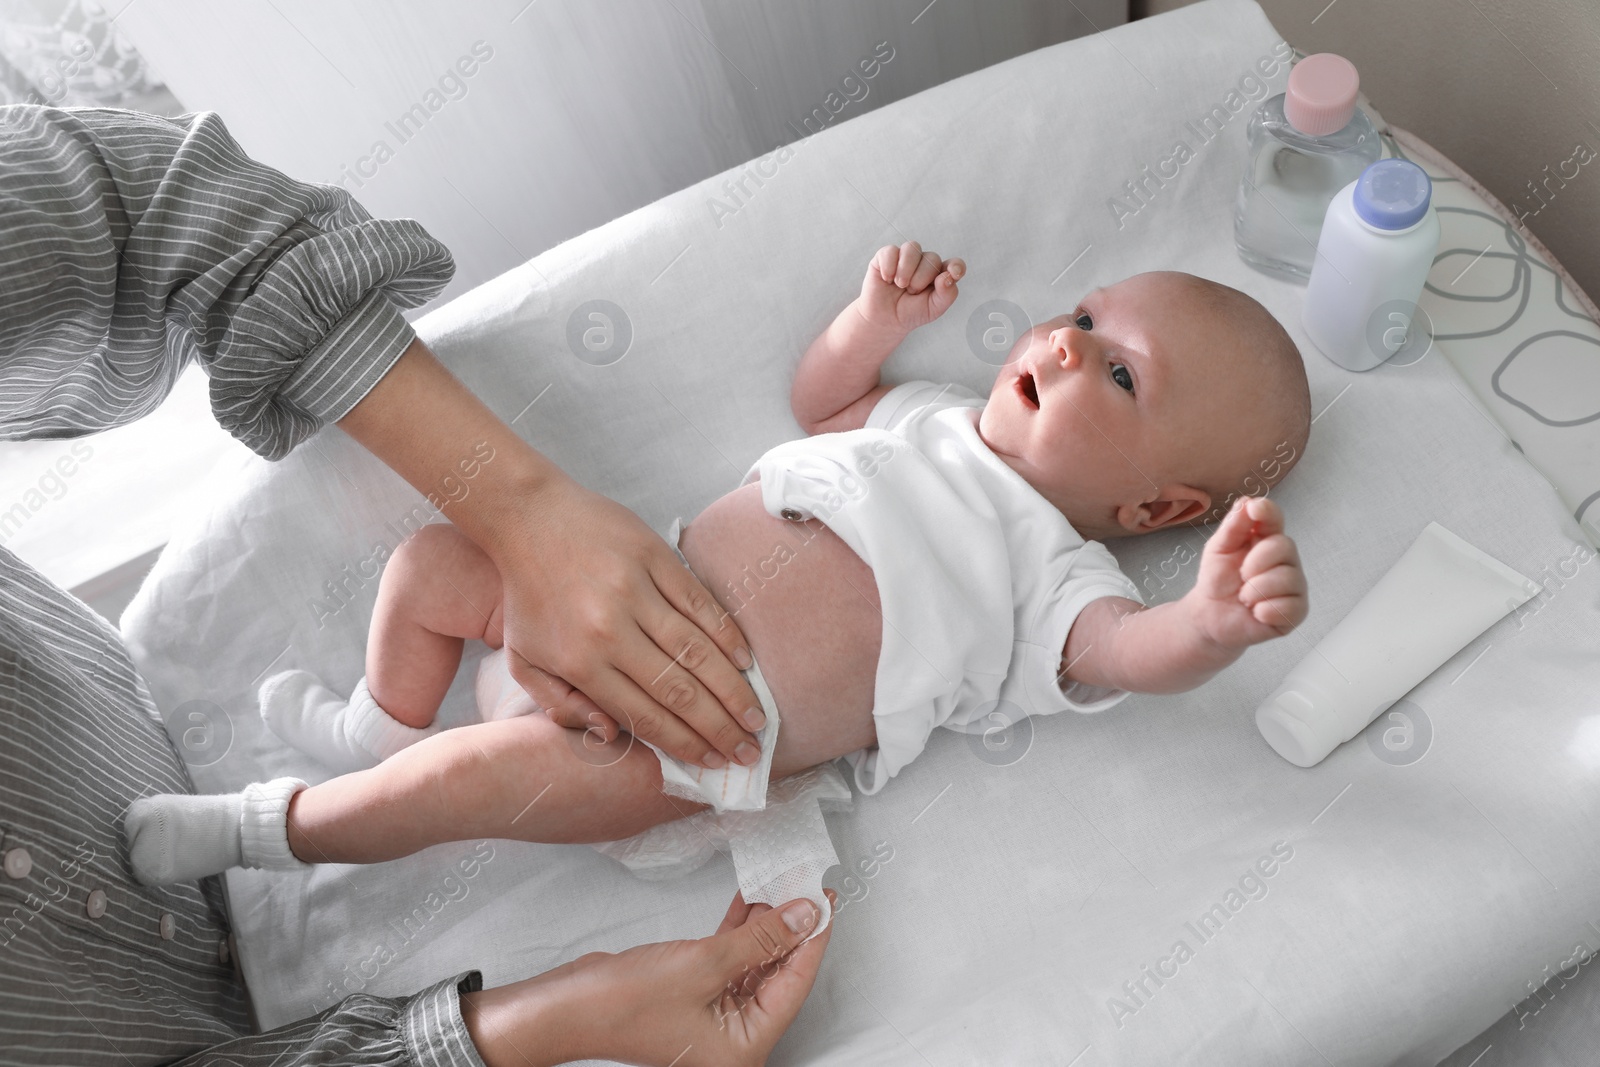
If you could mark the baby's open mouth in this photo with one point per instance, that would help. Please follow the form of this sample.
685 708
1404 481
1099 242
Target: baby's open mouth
1028 389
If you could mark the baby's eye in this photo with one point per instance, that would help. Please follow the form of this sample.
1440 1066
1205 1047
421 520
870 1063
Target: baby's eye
1083 316
1122 376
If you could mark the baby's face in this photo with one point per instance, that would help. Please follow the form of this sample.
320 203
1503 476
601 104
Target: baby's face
1098 408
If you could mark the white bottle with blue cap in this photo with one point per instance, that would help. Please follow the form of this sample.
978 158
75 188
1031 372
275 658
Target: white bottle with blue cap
1378 242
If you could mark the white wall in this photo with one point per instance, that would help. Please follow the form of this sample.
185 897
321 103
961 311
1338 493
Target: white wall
561 115
574 112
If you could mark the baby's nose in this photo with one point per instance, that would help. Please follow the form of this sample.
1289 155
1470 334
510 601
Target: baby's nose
1063 349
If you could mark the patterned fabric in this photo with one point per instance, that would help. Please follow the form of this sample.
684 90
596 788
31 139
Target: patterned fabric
131 246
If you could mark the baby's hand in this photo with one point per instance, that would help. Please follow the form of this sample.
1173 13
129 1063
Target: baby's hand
1251 588
906 287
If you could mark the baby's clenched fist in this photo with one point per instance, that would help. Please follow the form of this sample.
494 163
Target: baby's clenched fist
1251 587
906 287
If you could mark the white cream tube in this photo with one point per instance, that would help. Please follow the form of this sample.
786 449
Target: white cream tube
1439 596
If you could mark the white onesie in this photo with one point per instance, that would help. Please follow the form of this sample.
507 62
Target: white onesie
980 577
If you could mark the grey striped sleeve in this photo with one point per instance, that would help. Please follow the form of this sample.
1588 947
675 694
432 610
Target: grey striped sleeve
362 1030
135 244
131 245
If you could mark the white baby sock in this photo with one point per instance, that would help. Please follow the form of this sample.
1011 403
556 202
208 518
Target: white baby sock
345 735
179 837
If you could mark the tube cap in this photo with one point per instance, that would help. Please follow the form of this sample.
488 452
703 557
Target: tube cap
1321 95
1296 728
1392 194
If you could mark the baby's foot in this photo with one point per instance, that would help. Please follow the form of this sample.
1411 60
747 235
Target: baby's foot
345 735
179 837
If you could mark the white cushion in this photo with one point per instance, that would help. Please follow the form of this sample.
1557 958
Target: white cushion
1019 899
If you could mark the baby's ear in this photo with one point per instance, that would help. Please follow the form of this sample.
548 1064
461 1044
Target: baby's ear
1216 513
1178 505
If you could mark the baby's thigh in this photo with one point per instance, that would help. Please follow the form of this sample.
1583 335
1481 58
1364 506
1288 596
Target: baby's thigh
554 784
440 579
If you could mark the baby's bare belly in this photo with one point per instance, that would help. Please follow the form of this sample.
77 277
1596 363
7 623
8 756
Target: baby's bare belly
809 607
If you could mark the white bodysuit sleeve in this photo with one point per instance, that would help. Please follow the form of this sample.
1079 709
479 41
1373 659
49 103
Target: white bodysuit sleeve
1032 683
898 403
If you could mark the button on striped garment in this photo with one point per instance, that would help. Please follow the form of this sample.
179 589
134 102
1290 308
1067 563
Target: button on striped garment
130 246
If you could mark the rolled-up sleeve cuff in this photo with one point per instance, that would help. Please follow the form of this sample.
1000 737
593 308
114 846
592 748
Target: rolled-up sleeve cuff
344 366
435 1034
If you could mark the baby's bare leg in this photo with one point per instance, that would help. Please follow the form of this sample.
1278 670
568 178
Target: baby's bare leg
437 590
526 779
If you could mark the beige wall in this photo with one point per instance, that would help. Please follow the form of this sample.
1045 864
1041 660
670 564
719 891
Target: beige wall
1505 88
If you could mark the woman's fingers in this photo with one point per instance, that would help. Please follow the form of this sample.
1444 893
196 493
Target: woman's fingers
564 705
633 707
672 683
737 913
639 714
584 599
659 701
686 672
764 959
692 670
680 630
782 996
766 937
692 601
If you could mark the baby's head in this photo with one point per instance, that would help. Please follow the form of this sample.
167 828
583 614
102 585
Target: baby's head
1151 404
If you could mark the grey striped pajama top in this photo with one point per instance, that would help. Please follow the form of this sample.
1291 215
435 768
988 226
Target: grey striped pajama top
131 246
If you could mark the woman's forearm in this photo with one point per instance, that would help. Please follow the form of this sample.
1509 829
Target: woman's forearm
437 435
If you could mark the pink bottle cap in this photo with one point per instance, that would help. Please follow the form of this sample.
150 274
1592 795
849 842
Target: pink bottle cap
1322 94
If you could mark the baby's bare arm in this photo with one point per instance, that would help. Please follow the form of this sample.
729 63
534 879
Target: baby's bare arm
838 379
1121 644
1250 589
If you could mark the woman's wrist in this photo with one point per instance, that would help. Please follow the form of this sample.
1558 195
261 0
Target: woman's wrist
495 508
526 1024
437 435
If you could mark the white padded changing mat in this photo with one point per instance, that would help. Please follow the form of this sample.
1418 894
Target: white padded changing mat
999 903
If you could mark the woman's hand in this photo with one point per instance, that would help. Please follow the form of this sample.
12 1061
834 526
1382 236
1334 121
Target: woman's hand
593 599
724 999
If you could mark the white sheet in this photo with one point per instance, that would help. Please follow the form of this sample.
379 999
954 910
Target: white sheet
1016 900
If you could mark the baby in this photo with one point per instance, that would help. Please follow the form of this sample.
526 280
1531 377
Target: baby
928 559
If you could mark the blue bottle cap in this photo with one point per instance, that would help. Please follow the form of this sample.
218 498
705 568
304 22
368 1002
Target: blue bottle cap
1393 194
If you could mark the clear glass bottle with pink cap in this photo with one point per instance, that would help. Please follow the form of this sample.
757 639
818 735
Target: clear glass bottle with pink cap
1305 145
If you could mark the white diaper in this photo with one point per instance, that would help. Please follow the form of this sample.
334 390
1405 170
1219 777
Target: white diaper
780 853
777 836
